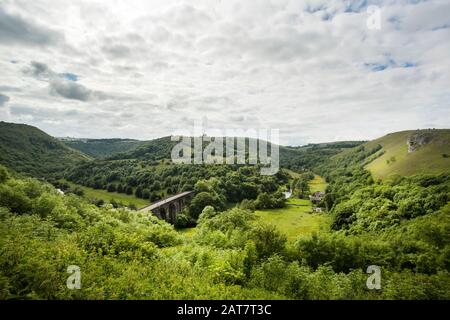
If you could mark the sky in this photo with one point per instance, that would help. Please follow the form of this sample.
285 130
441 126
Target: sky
317 70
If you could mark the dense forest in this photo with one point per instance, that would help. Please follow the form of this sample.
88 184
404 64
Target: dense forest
215 185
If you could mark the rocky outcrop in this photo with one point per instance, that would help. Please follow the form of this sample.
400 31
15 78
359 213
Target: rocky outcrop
416 140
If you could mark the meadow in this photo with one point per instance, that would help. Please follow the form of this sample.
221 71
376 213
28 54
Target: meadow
297 219
317 184
125 199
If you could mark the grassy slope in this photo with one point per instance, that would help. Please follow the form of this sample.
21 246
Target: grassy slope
426 159
100 148
90 193
318 184
292 173
29 150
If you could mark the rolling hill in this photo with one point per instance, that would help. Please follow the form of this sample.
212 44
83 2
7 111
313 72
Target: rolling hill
156 149
297 158
411 152
28 150
101 148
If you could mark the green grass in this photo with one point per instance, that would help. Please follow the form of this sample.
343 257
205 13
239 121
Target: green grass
292 173
126 199
318 184
189 232
296 219
426 159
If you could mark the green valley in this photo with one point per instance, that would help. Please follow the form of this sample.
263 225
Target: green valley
209 152
237 237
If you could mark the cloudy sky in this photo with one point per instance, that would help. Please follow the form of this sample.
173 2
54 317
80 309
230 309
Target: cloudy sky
145 69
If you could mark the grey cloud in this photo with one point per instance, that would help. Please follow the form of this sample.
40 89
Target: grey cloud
22 110
159 66
125 69
127 115
9 89
238 118
60 86
39 70
212 103
70 90
75 91
15 29
175 105
35 113
116 51
123 46
71 113
3 99
43 113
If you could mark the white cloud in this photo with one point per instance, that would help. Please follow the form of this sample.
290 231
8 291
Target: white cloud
144 69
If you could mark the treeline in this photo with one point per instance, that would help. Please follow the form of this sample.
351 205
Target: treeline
231 183
217 194
310 156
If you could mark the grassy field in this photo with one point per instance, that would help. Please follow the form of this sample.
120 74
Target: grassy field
318 184
426 159
126 199
296 219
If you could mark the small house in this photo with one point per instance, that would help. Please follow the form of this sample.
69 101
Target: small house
317 197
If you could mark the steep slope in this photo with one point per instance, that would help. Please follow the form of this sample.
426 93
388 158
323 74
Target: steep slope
156 149
310 156
101 148
411 152
29 150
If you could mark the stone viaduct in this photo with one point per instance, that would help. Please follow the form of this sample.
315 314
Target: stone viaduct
168 209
